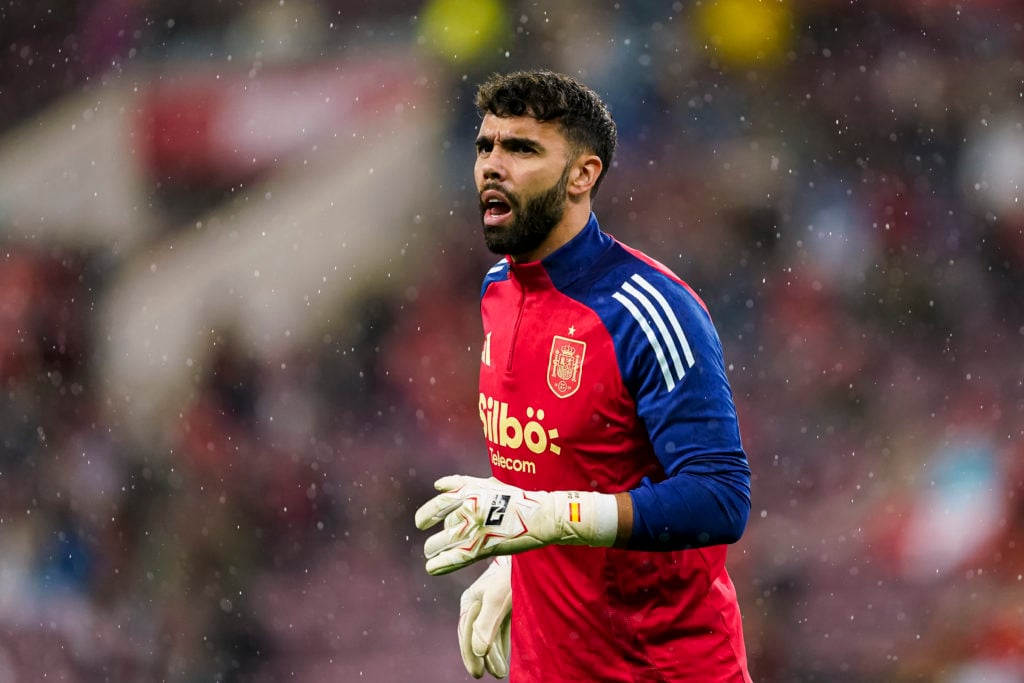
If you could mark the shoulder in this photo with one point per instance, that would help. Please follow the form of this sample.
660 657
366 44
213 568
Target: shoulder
659 323
655 275
633 281
497 273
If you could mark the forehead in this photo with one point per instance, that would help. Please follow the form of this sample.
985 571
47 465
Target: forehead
548 133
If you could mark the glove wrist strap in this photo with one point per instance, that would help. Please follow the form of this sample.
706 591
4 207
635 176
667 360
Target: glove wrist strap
587 518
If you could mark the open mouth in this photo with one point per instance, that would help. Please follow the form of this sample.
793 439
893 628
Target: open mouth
494 206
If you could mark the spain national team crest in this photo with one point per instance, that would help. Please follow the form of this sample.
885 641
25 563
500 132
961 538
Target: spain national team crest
565 365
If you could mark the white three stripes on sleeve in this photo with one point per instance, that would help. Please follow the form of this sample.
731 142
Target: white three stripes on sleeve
666 335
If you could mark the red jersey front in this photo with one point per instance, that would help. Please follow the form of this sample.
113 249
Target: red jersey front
575 395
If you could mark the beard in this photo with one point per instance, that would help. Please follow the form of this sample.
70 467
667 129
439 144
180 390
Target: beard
535 217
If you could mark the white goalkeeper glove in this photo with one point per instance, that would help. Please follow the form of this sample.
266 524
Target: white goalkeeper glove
485 621
484 517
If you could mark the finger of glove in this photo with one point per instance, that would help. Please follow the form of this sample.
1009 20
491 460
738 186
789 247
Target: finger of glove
454 482
496 661
454 490
436 509
495 607
449 538
449 561
474 663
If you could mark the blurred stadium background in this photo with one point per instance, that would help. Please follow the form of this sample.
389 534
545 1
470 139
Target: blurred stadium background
239 270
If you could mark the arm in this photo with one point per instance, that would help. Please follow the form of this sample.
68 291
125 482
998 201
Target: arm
703 496
485 517
699 507
690 511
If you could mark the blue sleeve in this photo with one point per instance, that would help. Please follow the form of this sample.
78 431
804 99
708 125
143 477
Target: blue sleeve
672 363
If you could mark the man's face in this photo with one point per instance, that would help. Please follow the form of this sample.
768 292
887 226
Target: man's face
522 173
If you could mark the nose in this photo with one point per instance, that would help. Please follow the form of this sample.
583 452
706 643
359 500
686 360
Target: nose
490 167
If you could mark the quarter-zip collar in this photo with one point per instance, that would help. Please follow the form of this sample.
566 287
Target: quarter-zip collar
566 264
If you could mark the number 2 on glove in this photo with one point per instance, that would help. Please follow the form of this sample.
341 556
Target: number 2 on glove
498 507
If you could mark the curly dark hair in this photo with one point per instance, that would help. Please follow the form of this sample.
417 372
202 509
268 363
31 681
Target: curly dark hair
549 96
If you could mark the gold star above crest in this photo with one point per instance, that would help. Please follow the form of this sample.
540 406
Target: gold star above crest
572 330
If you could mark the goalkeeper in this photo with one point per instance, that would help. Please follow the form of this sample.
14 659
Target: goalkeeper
618 475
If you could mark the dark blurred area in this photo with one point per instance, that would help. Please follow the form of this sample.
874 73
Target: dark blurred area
239 275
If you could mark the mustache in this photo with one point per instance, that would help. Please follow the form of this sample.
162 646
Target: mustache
513 200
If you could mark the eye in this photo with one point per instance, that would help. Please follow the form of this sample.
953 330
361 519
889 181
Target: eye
521 148
483 147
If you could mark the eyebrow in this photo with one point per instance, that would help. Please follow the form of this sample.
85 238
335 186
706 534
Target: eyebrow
512 142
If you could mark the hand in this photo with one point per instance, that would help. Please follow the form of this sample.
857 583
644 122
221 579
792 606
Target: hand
485 621
484 517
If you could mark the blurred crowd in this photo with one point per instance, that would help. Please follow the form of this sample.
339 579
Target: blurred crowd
841 183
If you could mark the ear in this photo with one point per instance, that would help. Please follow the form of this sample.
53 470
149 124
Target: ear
584 174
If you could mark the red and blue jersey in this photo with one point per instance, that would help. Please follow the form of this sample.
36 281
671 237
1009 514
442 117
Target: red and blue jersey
602 371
